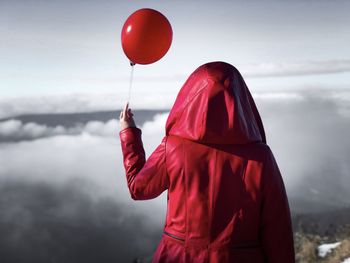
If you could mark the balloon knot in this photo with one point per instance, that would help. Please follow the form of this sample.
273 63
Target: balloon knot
132 63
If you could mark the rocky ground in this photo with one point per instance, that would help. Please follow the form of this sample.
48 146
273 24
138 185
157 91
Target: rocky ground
314 230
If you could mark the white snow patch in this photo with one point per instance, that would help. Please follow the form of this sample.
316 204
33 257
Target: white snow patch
347 260
325 249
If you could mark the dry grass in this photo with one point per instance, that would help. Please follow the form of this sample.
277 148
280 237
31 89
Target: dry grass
306 249
340 253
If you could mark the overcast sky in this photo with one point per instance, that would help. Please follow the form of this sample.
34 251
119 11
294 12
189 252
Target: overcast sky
73 47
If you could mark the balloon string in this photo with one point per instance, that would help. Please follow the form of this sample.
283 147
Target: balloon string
130 81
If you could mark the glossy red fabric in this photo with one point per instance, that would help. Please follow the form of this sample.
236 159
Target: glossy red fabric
226 197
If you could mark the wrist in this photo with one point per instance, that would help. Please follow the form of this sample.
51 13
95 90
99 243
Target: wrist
124 129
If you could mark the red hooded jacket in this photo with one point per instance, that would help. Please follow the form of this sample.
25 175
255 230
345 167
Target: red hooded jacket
226 197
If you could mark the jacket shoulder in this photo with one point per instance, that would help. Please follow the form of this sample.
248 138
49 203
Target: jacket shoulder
261 149
172 140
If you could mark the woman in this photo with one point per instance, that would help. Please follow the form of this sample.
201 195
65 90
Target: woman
226 197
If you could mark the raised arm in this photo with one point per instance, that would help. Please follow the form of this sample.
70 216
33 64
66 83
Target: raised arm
146 179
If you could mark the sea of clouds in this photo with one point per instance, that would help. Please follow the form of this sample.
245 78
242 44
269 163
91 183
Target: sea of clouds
64 197
65 188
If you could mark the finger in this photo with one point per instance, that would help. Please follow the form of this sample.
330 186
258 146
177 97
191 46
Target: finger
121 115
125 109
130 114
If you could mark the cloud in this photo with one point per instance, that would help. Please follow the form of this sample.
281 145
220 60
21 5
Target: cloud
296 122
87 102
295 68
265 69
309 139
93 153
150 92
256 70
65 196
16 130
278 96
63 103
44 223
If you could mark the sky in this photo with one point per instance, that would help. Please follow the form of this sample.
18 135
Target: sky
55 49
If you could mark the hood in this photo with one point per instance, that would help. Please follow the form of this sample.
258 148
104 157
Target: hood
215 106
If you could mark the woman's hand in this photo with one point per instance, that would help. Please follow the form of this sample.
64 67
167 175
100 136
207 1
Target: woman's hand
126 119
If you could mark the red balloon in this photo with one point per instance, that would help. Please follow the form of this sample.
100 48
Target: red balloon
146 36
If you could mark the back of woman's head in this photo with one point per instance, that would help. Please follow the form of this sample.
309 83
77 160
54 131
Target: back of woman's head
215 106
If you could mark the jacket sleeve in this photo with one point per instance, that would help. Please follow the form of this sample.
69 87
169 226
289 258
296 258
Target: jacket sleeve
276 225
145 179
